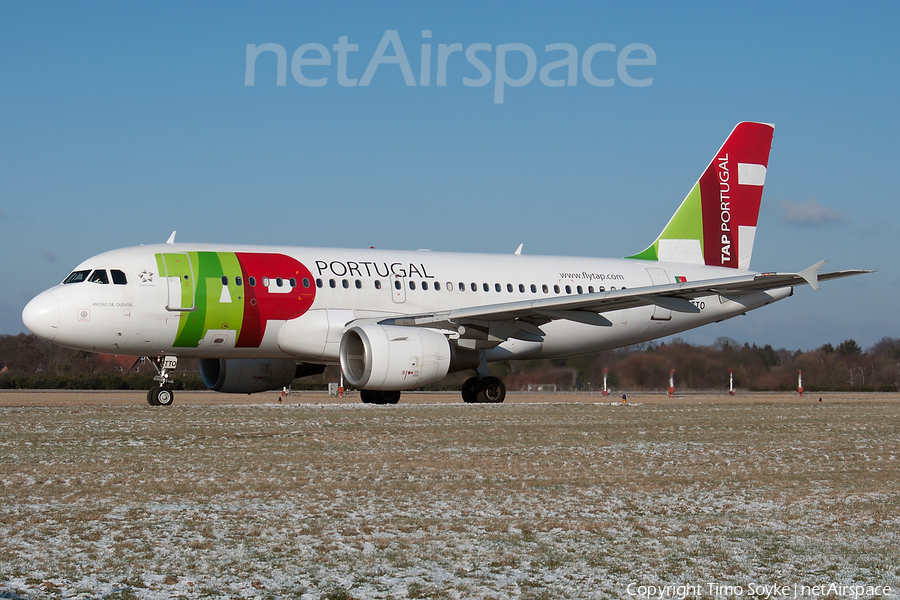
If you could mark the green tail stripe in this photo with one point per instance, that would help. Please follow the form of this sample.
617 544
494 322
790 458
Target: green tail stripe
685 224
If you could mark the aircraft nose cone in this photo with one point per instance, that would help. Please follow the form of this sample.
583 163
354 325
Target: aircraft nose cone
41 316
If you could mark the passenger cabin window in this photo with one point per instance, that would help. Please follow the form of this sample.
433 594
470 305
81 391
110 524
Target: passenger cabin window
252 281
118 277
437 286
238 281
99 276
76 277
224 279
377 284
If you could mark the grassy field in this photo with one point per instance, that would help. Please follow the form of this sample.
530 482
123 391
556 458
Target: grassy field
538 498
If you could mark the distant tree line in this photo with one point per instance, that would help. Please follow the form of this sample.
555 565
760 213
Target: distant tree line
29 362
756 368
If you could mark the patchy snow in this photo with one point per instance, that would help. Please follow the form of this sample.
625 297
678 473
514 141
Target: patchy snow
518 501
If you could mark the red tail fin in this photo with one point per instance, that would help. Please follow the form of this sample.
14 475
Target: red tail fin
716 222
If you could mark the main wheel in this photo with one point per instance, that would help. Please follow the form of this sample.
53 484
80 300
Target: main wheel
470 390
160 396
391 397
379 396
491 390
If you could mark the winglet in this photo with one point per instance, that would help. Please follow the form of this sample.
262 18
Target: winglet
171 239
811 274
519 249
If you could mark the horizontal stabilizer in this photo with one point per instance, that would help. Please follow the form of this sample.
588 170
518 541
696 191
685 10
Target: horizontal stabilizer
811 274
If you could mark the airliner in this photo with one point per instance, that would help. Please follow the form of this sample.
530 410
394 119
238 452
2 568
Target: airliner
259 317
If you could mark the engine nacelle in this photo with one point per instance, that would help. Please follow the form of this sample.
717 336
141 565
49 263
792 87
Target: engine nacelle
246 375
391 357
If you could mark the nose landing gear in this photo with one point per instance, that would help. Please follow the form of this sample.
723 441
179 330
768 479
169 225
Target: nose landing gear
162 395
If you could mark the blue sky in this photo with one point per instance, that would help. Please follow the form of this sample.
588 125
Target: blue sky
125 121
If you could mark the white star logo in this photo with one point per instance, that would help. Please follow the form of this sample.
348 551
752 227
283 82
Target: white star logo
145 276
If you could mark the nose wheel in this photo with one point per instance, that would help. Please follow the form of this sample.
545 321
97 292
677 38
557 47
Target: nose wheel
162 395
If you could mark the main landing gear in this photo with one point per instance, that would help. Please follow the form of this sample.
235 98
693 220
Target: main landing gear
379 397
162 395
476 390
483 390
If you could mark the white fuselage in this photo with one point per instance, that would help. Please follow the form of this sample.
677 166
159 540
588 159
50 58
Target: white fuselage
197 300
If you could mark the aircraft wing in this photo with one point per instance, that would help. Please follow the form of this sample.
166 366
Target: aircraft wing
523 318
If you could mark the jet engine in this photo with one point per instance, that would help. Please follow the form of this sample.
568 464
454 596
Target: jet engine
246 375
391 357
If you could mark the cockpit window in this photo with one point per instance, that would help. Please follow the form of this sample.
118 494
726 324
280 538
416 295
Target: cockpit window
99 276
76 277
118 277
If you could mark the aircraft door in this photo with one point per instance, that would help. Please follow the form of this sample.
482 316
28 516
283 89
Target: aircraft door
179 281
398 289
660 277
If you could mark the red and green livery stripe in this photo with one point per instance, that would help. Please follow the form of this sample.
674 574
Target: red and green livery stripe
233 294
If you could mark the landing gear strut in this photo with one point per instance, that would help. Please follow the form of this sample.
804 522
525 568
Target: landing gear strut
483 390
162 395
